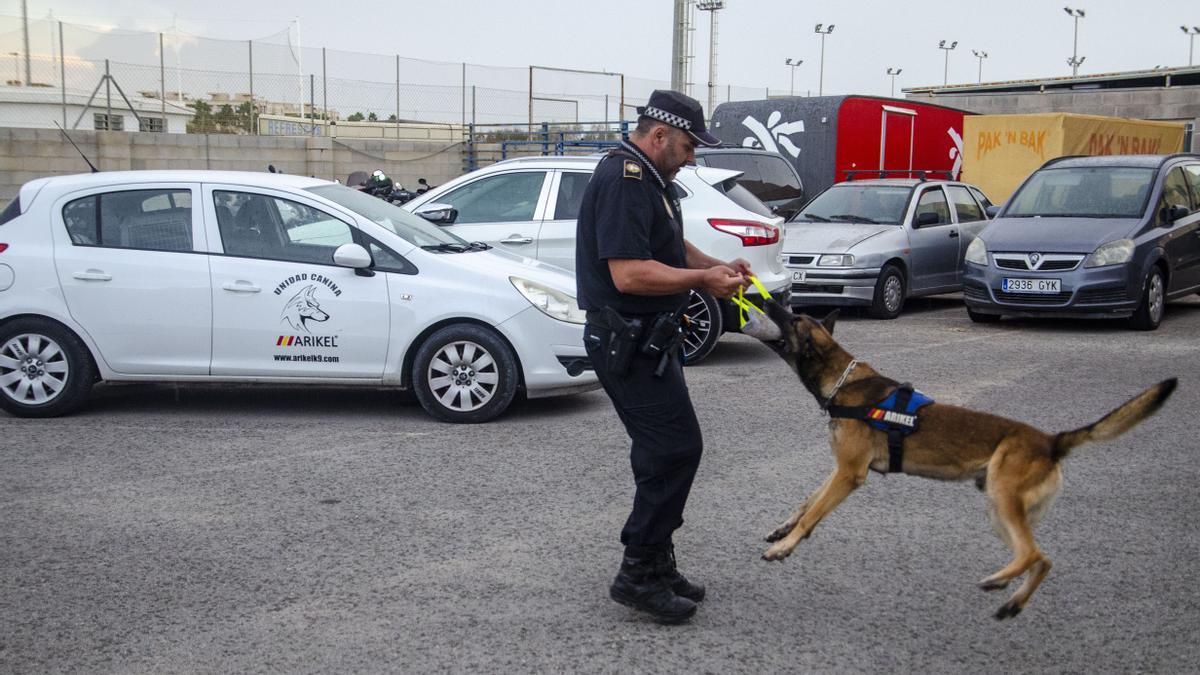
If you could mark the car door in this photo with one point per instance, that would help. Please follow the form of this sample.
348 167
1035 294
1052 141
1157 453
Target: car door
281 307
1191 252
1181 244
971 219
935 245
133 271
556 238
502 209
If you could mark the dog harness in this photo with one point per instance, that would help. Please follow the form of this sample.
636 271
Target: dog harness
897 415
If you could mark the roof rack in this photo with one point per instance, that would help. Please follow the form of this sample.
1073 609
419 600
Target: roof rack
920 174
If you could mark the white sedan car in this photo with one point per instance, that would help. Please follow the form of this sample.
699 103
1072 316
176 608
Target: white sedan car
206 276
529 206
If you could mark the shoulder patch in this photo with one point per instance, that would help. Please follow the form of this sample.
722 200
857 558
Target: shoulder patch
633 169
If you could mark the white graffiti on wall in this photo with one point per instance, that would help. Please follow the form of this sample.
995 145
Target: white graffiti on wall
772 135
956 152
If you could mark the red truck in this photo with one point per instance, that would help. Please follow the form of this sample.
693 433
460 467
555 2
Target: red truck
827 137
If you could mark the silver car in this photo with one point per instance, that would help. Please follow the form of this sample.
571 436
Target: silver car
878 242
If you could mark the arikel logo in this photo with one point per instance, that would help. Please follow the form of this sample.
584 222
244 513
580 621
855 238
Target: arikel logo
894 417
302 308
772 135
307 341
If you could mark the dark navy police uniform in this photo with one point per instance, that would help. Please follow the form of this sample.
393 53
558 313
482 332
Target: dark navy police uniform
630 212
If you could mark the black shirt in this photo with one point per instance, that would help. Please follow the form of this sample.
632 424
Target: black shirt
628 213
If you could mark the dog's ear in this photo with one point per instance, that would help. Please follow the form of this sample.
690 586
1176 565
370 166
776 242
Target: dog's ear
829 320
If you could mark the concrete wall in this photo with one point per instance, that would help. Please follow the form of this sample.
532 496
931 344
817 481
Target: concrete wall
26 154
1176 104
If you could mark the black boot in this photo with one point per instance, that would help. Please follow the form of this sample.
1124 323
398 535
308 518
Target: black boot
678 583
640 586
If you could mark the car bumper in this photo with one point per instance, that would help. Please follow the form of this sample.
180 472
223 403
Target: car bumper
550 351
1100 292
833 286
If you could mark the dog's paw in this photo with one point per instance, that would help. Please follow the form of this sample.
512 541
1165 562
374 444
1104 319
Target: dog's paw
778 533
991 584
1008 610
778 552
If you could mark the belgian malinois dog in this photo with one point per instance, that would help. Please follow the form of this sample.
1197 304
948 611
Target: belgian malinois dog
1014 463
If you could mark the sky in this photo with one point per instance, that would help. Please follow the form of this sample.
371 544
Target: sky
1023 38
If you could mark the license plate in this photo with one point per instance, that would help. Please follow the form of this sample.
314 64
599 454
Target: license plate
1031 285
799 277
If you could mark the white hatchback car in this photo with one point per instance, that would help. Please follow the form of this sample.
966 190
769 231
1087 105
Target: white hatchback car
206 276
529 206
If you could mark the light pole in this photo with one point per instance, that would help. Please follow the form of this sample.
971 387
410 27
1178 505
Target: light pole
711 6
794 63
981 55
946 72
16 66
821 79
894 72
1075 61
1191 39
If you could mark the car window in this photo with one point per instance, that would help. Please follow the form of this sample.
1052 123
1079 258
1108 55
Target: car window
502 198
570 194
983 200
964 204
151 220
1193 178
767 176
263 226
1083 192
933 201
744 198
1175 189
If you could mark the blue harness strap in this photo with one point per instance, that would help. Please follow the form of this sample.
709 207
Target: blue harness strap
897 415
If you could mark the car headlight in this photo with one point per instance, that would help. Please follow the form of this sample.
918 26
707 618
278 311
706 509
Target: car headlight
1113 253
837 260
552 303
976 252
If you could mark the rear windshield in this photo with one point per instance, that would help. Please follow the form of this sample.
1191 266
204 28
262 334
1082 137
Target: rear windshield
744 198
849 203
11 211
1091 192
767 176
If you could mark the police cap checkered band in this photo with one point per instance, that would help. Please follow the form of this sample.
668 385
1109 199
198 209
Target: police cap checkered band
664 116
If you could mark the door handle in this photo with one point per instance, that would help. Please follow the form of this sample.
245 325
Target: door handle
513 239
241 287
93 275
953 234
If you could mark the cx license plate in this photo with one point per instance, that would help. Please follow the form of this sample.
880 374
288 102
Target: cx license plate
1010 285
799 277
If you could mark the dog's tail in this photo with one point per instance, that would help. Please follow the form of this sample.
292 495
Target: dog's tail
1117 422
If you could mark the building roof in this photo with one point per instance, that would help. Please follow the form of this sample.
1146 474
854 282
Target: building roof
1185 76
53 96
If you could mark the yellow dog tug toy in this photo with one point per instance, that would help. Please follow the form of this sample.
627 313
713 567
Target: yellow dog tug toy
752 320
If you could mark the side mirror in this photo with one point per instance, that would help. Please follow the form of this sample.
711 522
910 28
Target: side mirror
353 256
927 218
1177 211
992 211
441 214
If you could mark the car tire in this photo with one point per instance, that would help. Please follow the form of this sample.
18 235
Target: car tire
465 373
888 300
707 325
980 317
45 370
1150 310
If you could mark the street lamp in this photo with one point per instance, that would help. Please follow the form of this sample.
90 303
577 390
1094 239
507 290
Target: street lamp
711 6
821 80
946 72
981 55
794 64
1191 39
1075 61
894 72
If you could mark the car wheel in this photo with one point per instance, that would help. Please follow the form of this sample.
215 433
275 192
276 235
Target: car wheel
889 294
1154 302
707 326
45 371
980 317
465 373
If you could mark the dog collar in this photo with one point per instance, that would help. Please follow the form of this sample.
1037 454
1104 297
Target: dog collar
841 381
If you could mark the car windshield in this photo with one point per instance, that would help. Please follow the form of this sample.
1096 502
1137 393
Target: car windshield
1079 192
849 203
411 228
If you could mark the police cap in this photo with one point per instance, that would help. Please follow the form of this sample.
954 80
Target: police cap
680 111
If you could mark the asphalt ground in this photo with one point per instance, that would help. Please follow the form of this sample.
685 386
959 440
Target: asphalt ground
240 529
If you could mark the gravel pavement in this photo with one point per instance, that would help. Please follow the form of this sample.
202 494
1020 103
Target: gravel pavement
234 529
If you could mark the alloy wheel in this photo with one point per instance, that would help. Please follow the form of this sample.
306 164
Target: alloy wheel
701 326
1154 297
463 376
33 369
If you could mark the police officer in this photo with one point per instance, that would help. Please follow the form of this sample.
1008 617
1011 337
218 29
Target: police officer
634 271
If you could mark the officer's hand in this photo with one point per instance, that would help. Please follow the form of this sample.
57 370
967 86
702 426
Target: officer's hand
722 281
742 267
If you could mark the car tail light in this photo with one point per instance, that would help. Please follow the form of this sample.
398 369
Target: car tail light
750 232
3 248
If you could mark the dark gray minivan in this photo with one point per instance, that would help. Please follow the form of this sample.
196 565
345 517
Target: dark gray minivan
1109 236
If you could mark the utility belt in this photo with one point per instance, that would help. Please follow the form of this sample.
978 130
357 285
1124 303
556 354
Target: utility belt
654 335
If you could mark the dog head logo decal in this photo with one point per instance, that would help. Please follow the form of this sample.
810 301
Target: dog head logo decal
302 308
772 135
